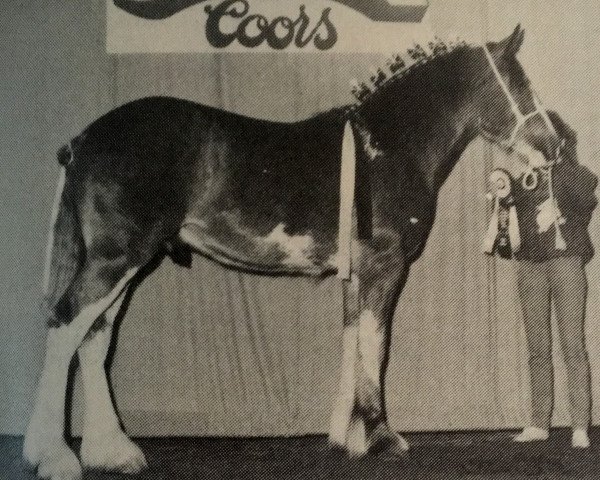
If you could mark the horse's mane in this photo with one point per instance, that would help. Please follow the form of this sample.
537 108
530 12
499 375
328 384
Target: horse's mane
428 90
399 66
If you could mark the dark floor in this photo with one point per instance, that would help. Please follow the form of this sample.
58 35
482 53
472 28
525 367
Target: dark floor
475 456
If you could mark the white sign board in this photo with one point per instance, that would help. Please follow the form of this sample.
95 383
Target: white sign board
351 26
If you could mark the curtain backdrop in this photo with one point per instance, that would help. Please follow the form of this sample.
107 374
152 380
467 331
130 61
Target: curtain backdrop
208 351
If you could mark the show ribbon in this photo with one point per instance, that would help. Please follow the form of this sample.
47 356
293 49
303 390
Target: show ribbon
492 232
501 189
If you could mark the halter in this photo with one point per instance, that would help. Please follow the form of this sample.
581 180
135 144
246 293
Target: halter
520 117
530 178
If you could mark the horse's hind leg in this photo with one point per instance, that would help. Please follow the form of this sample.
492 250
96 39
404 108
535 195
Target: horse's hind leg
104 445
95 288
344 404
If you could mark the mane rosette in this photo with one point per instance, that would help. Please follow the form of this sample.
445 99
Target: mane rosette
398 65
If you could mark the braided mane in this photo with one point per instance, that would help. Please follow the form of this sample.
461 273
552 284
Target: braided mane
398 66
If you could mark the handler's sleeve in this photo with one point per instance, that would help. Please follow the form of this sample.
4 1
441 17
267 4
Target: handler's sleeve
578 185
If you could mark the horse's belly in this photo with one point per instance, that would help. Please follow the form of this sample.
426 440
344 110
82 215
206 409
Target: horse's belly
222 239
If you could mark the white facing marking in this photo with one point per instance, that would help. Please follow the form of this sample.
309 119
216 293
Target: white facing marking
60 186
370 345
44 437
342 409
298 248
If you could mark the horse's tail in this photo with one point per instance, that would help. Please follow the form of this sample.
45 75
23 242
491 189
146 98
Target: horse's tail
65 251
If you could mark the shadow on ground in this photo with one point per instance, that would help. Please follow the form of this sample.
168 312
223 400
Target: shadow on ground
489 455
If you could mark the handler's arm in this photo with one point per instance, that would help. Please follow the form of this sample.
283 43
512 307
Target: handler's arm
577 185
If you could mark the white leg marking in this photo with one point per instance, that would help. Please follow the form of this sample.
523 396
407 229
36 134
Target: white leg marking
342 409
104 445
44 444
357 437
370 344
370 348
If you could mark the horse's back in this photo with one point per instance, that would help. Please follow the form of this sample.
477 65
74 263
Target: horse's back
265 192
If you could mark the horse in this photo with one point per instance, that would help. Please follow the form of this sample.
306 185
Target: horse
162 177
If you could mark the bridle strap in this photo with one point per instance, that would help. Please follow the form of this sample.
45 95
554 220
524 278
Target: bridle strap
513 104
520 117
521 120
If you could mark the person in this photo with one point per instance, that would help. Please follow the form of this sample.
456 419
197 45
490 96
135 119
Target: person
555 247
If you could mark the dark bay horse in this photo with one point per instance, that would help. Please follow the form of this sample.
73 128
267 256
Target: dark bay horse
163 176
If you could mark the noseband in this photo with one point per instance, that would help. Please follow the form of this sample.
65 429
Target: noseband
520 117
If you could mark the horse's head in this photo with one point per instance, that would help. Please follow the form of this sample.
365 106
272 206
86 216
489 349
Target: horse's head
511 115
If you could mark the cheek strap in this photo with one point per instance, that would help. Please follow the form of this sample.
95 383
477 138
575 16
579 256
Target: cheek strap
521 119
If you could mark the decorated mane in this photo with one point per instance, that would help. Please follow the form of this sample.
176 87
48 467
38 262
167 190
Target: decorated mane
398 66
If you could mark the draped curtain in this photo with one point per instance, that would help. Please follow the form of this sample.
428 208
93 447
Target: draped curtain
209 351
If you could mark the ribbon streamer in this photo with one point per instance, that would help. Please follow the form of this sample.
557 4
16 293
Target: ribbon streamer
501 188
492 232
347 185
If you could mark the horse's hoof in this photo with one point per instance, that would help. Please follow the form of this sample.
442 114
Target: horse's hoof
112 452
387 443
356 441
59 463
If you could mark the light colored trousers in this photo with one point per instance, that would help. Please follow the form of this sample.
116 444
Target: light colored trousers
560 282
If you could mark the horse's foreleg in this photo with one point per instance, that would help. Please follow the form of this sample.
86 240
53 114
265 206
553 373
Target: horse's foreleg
369 430
44 445
104 445
378 296
359 421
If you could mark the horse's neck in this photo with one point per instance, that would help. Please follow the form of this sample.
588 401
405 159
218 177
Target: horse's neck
450 151
429 159
426 121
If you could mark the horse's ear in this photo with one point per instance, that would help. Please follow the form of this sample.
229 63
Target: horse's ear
509 47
